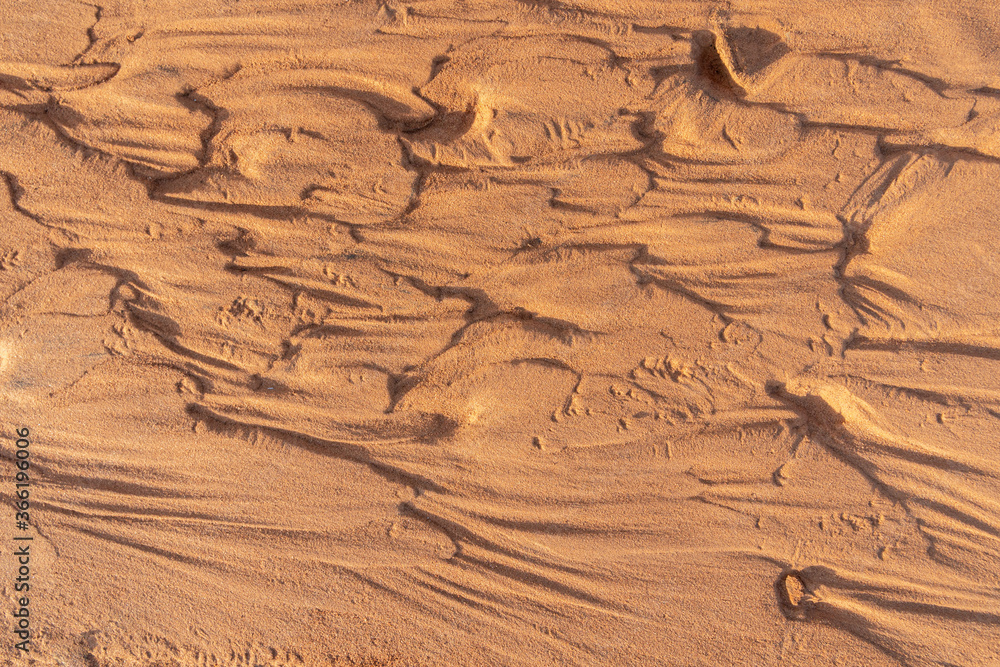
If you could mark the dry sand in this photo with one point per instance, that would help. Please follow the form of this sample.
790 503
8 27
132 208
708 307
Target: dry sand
502 333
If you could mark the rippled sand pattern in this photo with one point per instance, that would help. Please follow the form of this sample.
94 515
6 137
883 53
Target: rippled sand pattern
503 333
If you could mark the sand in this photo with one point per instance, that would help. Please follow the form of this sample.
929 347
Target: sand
466 333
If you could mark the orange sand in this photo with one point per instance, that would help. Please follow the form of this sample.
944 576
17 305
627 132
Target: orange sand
502 333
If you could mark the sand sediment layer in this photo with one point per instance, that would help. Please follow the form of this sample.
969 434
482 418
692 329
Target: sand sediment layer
503 333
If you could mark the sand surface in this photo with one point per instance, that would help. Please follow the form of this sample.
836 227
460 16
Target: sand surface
473 333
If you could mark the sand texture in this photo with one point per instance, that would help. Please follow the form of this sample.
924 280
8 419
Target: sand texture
468 333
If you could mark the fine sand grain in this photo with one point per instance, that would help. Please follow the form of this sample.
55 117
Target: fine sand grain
468 333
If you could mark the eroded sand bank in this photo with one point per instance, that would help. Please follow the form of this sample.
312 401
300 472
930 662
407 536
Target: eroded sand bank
503 333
